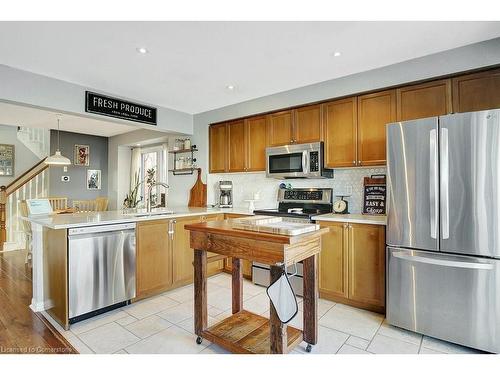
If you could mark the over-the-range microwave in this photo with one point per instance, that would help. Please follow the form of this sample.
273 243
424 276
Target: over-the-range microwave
297 161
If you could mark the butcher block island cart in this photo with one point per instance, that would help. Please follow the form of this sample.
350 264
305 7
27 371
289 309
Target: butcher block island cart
245 332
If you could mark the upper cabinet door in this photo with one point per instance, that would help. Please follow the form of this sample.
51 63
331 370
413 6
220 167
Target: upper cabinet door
256 143
308 124
476 92
280 129
374 112
236 146
340 130
424 100
218 148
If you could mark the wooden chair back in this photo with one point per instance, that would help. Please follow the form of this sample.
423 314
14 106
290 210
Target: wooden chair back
23 211
58 203
102 203
85 205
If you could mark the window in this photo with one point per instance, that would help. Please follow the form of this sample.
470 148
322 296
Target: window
153 169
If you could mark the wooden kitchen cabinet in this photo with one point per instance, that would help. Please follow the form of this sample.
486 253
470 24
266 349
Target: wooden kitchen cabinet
308 124
237 146
256 130
153 259
333 261
352 265
218 148
374 112
366 259
340 132
280 128
182 254
424 100
477 91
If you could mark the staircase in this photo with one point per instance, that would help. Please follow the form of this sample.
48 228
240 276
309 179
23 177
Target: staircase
30 185
35 139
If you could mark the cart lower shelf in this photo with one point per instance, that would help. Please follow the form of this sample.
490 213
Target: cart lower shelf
247 333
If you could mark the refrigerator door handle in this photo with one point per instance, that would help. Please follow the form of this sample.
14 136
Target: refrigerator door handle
442 262
433 182
445 176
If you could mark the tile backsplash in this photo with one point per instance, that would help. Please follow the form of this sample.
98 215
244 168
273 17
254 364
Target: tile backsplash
344 181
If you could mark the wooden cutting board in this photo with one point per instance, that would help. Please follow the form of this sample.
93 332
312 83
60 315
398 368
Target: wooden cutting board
198 193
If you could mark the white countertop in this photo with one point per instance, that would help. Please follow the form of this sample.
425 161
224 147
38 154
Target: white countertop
87 219
353 218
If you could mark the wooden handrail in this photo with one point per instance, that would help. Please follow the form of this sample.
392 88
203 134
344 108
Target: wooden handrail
25 177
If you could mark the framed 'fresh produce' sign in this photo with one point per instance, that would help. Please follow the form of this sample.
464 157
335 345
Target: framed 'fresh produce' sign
374 193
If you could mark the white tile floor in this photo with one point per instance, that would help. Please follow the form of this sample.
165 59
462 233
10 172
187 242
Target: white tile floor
164 324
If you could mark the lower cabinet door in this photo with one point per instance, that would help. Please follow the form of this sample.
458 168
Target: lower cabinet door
367 264
182 254
153 267
333 261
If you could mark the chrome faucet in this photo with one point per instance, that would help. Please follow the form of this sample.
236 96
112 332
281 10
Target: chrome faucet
150 188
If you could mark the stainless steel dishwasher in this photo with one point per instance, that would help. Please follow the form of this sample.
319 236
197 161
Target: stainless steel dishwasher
101 268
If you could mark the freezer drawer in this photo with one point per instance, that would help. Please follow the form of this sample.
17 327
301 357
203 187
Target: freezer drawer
450 297
101 270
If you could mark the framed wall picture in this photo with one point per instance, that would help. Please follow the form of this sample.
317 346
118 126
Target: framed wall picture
7 154
93 179
82 155
374 193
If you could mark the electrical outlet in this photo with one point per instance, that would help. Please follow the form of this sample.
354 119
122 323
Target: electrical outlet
65 178
65 169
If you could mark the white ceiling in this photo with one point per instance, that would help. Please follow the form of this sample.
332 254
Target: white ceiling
16 115
189 64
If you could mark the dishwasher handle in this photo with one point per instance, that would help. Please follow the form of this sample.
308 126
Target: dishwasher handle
101 228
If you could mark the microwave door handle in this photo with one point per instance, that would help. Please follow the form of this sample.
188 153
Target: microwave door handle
305 162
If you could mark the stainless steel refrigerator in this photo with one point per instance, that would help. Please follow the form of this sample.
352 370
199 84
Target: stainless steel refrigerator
443 233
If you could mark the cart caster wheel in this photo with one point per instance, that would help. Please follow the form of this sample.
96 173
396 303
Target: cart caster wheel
199 340
309 348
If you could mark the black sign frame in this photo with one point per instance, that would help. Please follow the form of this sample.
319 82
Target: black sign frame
374 195
119 108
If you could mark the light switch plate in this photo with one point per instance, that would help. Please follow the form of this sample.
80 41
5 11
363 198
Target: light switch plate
65 169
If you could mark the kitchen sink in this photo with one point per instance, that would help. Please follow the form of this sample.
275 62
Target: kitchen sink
154 212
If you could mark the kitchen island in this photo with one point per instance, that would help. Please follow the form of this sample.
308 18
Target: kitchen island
245 332
157 238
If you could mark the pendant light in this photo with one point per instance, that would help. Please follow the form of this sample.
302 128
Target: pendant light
57 158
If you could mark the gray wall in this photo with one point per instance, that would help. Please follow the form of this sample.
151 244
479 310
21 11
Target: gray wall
24 158
77 188
465 58
40 91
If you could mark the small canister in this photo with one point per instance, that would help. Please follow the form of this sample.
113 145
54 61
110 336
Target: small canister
187 144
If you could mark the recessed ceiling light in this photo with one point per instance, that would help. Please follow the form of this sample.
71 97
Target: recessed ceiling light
230 87
336 54
142 50
138 144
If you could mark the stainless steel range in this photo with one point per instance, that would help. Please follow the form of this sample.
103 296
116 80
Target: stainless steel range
298 205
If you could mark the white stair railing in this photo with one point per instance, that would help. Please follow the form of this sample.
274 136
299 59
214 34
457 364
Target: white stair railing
36 139
32 184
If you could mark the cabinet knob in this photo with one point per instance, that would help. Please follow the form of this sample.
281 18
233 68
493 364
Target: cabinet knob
360 162
354 162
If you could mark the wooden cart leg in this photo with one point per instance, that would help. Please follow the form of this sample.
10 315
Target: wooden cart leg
278 333
310 279
237 285
200 293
